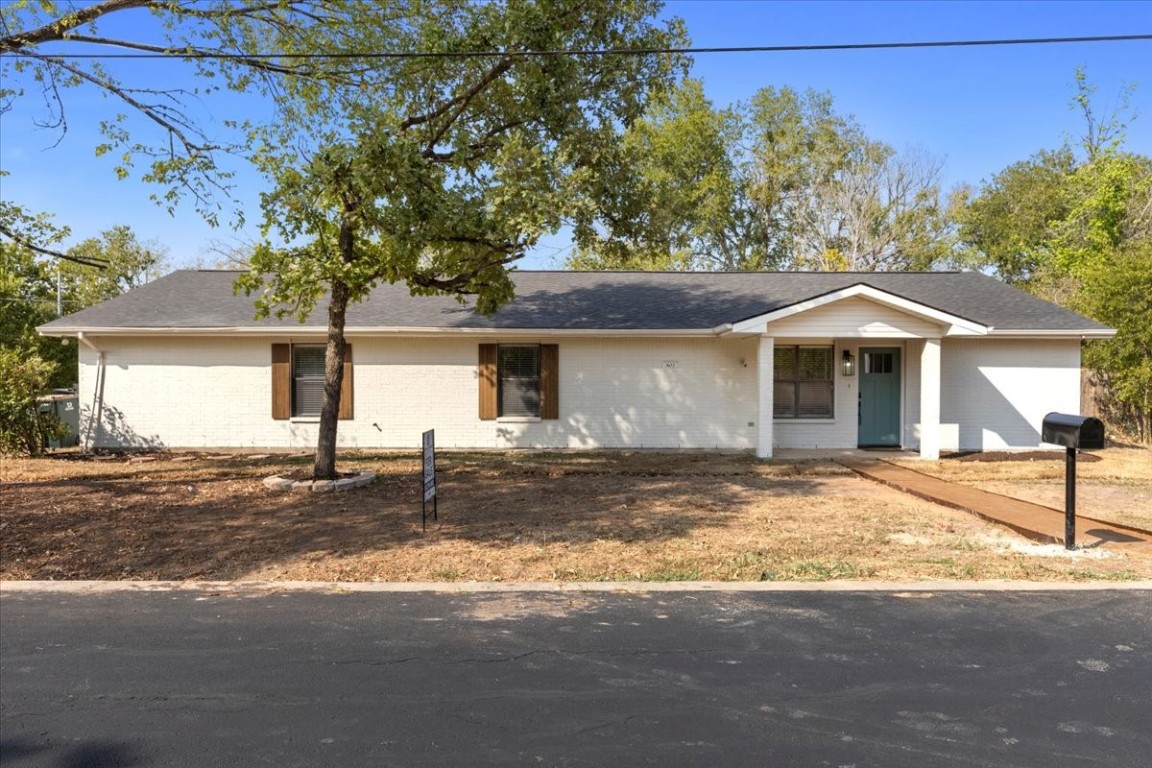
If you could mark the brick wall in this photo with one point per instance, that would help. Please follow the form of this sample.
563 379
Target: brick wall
620 393
216 392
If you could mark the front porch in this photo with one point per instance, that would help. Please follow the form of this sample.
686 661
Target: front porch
879 397
853 369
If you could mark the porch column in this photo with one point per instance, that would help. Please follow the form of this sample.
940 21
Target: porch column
764 378
930 399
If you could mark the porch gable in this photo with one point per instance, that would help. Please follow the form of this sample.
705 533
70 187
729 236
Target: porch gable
860 312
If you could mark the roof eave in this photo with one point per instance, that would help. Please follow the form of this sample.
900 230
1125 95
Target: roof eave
309 330
1048 333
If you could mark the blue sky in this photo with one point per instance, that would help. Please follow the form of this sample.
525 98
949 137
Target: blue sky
976 109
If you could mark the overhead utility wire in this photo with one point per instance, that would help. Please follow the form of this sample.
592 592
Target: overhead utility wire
194 54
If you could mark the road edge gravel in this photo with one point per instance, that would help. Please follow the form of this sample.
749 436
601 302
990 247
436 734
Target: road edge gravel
102 587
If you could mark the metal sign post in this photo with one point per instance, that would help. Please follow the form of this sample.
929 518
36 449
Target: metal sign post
1069 498
429 476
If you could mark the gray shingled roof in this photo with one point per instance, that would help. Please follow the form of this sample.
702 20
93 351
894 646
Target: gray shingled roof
582 301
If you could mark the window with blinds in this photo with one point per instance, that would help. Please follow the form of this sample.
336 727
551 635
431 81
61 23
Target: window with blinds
307 379
518 377
803 382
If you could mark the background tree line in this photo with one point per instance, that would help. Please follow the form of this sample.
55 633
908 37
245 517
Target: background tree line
784 182
35 289
1074 225
441 171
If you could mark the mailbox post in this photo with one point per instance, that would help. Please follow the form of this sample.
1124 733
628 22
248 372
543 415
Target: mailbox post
1075 433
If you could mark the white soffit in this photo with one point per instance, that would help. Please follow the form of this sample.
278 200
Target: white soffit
955 325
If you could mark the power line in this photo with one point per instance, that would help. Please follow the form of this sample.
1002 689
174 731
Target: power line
198 54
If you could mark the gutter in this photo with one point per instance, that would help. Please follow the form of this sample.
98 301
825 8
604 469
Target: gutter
298 331
84 340
1085 333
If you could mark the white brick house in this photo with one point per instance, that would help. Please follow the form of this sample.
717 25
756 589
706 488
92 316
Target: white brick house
754 361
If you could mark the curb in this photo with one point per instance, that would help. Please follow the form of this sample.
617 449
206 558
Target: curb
627 587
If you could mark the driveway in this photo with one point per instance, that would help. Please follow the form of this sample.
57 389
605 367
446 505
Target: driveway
178 678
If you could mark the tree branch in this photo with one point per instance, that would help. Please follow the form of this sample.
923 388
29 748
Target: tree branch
150 111
485 142
88 261
259 64
457 283
462 99
59 29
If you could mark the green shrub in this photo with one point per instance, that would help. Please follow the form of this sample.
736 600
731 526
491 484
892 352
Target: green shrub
23 429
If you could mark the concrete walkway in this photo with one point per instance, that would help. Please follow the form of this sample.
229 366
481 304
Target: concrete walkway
1033 521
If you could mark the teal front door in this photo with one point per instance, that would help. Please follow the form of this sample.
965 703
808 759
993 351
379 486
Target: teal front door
879 397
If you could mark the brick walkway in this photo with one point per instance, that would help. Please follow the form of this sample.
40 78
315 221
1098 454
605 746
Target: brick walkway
1034 521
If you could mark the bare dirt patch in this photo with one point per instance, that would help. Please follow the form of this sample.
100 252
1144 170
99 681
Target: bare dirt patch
503 517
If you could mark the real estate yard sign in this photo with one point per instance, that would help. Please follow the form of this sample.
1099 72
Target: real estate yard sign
429 478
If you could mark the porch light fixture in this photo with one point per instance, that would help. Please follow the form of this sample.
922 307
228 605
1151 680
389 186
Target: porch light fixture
848 364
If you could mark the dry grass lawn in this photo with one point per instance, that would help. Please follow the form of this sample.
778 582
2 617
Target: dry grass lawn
516 517
1114 484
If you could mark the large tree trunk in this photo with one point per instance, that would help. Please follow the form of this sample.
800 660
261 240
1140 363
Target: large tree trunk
325 466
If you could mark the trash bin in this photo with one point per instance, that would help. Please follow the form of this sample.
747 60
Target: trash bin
65 406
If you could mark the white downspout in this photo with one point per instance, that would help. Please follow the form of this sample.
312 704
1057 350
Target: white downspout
765 367
97 410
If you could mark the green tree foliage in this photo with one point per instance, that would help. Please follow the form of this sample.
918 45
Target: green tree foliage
23 377
28 298
683 204
35 289
1121 296
126 264
780 182
441 171
1074 225
1007 224
1109 198
29 364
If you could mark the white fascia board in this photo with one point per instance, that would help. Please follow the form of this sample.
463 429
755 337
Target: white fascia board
956 325
310 330
1087 333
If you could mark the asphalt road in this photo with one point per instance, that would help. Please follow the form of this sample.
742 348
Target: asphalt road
1044 679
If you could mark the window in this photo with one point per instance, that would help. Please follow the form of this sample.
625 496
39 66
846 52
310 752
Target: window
519 380
307 380
518 376
298 381
878 362
803 382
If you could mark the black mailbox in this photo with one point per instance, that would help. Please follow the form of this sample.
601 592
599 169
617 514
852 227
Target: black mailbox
1072 431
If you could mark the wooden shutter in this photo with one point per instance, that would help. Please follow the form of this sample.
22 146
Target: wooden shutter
549 381
346 385
281 381
487 382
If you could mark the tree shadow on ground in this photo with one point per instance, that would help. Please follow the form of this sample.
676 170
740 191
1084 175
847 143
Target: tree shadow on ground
91 754
215 520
